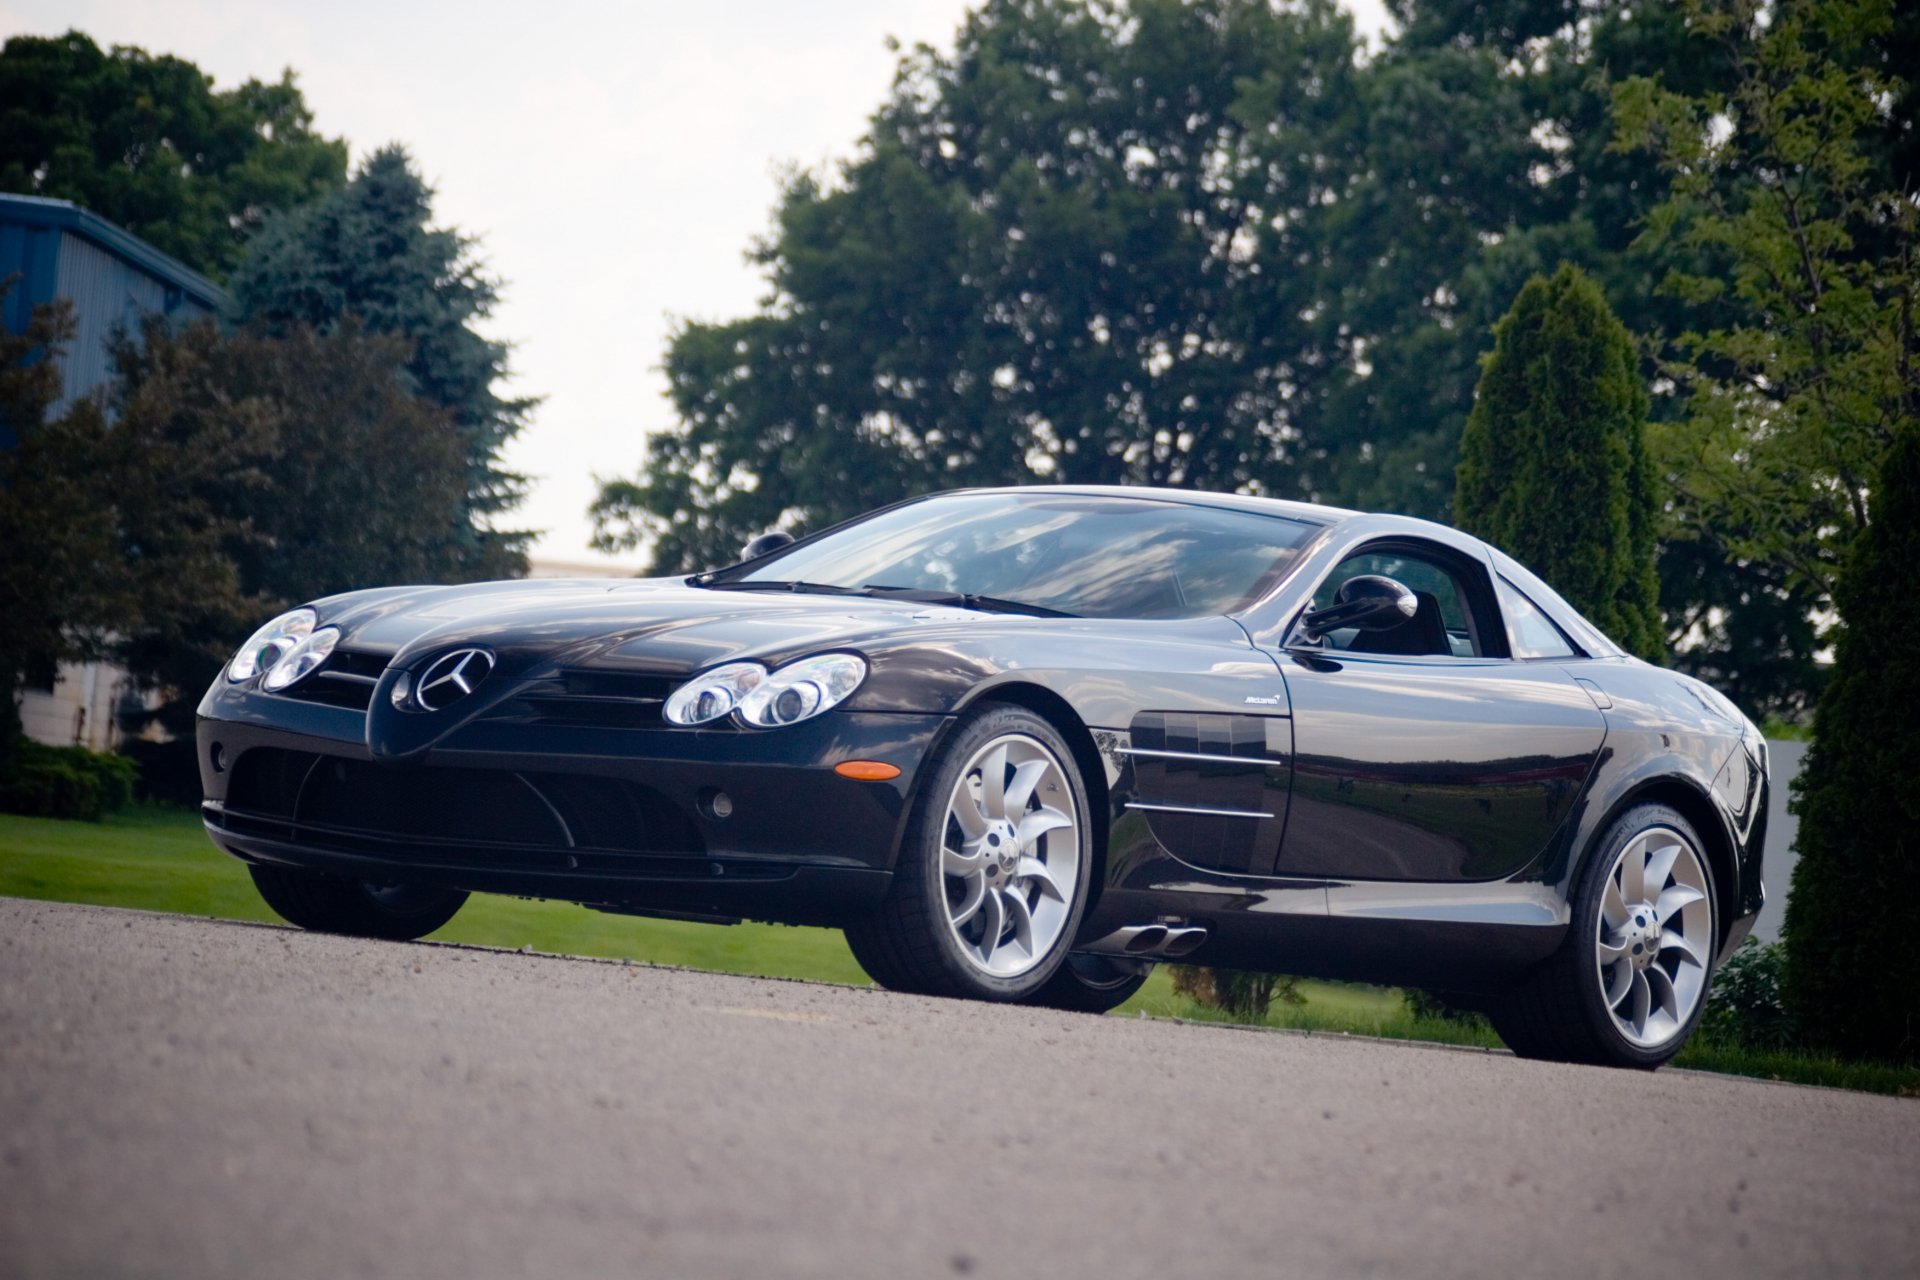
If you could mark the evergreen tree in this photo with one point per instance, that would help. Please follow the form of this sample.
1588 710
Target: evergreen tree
146 141
1553 464
1853 922
369 253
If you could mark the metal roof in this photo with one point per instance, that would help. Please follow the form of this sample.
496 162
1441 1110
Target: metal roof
66 216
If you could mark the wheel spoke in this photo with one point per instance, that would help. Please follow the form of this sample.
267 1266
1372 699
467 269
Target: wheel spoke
969 904
1672 900
1038 823
1613 908
1633 875
1619 984
1689 953
1020 916
1025 778
958 862
1609 953
967 813
1641 1000
993 922
1035 872
1662 994
1659 867
993 782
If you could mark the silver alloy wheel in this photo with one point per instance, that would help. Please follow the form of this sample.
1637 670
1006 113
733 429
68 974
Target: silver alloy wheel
1655 937
1010 855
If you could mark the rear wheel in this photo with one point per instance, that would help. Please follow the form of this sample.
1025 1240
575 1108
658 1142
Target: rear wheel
362 908
1629 983
1093 984
992 875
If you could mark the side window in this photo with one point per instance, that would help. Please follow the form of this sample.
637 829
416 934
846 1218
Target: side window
1533 632
1443 627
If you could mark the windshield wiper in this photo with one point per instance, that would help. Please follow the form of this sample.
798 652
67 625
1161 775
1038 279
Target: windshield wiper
964 599
807 588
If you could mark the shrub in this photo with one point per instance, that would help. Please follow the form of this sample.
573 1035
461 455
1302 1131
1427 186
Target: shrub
1746 1006
64 782
1439 1005
169 772
1238 993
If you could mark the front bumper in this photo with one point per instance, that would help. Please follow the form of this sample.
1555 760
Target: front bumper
627 818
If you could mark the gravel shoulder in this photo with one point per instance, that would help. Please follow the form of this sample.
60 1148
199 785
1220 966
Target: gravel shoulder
191 1097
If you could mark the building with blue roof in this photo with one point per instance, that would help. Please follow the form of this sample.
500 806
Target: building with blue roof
114 280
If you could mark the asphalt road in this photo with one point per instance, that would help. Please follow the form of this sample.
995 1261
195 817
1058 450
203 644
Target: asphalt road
184 1097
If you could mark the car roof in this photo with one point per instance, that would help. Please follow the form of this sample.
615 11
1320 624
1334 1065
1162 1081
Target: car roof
1309 511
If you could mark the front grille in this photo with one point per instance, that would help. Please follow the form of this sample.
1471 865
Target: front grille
590 699
345 679
438 813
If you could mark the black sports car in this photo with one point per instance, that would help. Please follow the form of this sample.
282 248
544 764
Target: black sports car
1020 744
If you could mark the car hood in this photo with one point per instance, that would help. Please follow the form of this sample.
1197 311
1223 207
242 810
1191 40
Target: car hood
652 626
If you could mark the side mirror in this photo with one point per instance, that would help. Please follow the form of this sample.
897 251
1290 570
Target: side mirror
1368 602
765 545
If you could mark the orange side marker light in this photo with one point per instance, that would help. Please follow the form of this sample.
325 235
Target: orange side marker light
866 770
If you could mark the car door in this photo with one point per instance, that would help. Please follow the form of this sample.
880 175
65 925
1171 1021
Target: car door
1430 753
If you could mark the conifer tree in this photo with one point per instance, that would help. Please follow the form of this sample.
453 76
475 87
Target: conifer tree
1553 466
1853 926
369 255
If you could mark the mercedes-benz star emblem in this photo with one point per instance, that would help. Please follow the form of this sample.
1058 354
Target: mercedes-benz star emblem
452 677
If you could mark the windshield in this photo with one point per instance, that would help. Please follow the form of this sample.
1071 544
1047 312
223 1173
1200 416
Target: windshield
1095 557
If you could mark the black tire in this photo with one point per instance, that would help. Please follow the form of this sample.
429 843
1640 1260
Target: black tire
334 904
1092 984
908 944
1560 1013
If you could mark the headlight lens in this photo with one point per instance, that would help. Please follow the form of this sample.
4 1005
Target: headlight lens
302 660
803 689
713 694
270 644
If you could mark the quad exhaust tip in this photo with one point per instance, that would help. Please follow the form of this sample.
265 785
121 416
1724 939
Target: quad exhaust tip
1150 941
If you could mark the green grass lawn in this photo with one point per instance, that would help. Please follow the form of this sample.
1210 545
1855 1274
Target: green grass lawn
161 860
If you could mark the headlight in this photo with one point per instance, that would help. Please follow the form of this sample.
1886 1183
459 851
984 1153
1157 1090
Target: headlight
803 689
302 660
270 644
712 695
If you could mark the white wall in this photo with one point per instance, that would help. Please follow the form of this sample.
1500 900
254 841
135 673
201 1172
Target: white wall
1784 760
81 710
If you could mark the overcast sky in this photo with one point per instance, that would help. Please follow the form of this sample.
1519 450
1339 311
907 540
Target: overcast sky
615 160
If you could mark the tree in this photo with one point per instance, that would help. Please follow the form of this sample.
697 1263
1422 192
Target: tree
62 584
1852 928
367 255
316 471
1091 245
1553 464
1802 362
146 141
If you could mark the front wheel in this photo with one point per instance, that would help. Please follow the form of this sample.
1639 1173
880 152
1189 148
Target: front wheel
362 908
1629 983
992 875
